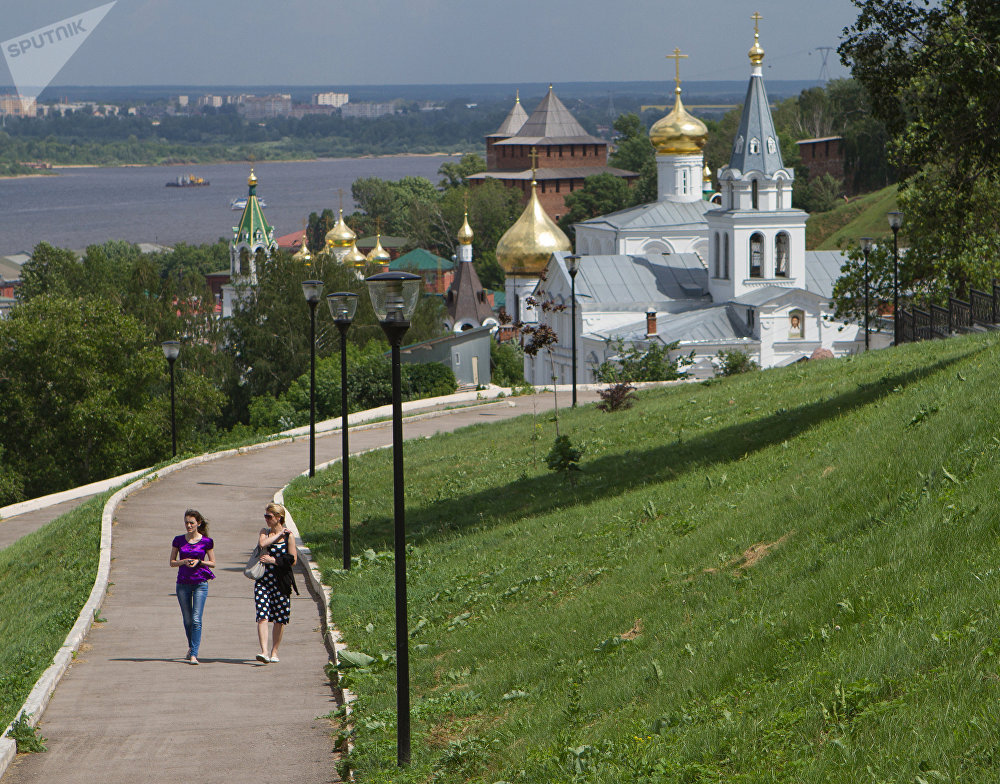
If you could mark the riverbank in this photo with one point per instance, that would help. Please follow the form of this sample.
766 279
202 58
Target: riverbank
56 167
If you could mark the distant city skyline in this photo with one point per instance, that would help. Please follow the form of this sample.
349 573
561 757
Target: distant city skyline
308 42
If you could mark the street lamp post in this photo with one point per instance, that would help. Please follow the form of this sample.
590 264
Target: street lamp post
866 246
171 350
343 306
895 223
394 298
573 266
313 290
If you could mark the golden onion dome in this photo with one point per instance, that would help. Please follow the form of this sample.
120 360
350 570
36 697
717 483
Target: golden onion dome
252 179
340 236
706 174
379 255
303 254
756 53
465 235
354 257
525 248
679 133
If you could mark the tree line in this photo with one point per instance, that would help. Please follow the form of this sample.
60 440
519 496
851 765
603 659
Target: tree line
84 387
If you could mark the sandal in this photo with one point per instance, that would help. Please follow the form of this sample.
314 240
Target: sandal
262 658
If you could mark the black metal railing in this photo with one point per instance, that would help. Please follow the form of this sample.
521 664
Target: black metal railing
982 310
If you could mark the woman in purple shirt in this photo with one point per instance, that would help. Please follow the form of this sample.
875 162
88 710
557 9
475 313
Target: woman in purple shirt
193 553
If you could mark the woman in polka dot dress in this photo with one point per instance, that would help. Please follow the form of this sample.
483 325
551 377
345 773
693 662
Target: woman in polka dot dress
272 593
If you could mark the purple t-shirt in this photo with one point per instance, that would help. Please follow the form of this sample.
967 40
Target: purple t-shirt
186 549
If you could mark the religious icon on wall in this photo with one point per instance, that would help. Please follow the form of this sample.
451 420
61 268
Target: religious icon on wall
796 327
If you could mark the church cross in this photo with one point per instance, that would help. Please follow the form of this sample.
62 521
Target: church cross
756 18
341 192
676 57
534 161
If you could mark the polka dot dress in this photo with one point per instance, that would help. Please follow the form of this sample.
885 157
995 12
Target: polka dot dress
272 604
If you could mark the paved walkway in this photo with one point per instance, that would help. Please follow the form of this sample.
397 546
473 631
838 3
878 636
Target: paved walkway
130 710
13 528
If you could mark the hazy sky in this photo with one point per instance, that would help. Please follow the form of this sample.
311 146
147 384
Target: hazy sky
428 41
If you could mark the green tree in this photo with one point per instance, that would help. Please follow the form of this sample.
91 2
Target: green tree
268 333
51 271
601 194
930 70
634 152
849 290
84 393
455 175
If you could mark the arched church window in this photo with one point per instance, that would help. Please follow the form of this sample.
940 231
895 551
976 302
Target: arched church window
756 255
781 253
725 257
772 147
781 194
754 195
244 258
718 262
739 144
684 181
754 147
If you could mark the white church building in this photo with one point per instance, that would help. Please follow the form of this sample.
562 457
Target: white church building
711 277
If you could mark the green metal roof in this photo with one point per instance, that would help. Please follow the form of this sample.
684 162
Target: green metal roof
253 220
420 260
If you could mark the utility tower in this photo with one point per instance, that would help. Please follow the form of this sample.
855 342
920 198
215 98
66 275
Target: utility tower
824 70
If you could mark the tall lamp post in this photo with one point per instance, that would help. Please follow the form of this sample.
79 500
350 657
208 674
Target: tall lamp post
394 298
171 350
313 290
866 246
895 223
573 267
343 306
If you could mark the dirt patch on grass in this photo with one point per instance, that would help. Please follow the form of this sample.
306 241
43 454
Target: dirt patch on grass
749 557
635 631
753 554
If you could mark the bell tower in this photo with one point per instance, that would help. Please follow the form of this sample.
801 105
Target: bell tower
756 238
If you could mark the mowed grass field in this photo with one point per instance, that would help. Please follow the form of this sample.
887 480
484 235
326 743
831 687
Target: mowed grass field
787 576
45 579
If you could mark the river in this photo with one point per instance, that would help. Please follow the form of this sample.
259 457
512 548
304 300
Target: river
82 206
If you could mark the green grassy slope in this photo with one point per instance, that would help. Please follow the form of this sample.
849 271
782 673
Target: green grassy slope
45 579
788 576
845 224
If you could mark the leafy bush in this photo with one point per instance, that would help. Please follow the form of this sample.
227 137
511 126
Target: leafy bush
632 364
25 736
369 385
430 379
617 397
507 362
732 363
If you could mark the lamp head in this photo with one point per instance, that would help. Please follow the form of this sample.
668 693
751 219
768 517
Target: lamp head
895 220
171 350
394 295
343 306
573 265
313 290
866 244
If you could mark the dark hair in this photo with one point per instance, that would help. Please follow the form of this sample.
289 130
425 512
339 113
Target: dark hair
202 522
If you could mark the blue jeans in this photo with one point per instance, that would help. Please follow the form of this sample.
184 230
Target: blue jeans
192 598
